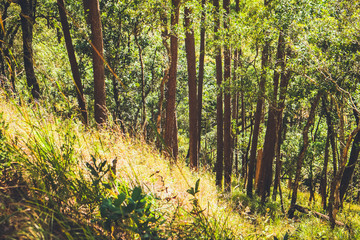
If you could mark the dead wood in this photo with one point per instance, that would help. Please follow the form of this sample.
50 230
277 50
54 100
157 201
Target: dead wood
319 215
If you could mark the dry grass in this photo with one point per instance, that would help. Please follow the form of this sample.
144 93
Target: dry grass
140 164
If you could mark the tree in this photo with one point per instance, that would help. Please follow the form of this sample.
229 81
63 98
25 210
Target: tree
301 157
170 124
72 59
7 36
201 72
191 68
353 159
227 102
272 129
92 10
219 165
258 115
27 24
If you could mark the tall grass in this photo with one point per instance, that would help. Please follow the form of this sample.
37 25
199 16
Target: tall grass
60 180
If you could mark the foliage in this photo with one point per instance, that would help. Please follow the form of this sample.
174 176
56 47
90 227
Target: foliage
63 169
132 212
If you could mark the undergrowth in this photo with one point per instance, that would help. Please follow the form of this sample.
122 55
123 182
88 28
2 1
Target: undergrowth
60 180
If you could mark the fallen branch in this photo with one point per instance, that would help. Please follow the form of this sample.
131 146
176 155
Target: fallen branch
319 215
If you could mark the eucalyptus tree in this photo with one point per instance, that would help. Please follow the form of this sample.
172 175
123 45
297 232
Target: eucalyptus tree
258 113
170 125
193 98
27 16
72 58
9 28
282 20
201 71
219 165
227 101
92 10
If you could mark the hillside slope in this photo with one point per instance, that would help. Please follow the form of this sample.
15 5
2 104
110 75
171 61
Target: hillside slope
60 180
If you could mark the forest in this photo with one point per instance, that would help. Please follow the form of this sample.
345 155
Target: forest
179 119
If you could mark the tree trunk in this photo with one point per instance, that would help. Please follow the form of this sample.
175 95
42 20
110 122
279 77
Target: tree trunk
353 159
323 180
258 116
334 198
272 129
331 132
170 136
191 68
285 79
93 9
142 85
73 62
219 101
227 103
27 16
164 37
302 153
243 123
201 72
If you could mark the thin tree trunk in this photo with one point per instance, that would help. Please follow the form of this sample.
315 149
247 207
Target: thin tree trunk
285 79
201 71
323 180
142 85
235 102
191 67
170 124
272 130
258 117
27 16
73 62
334 198
227 104
243 123
331 133
93 9
219 101
350 167
164 37
302 153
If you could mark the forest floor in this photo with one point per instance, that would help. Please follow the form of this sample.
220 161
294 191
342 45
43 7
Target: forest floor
60 180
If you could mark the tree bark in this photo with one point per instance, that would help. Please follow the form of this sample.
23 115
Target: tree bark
350 167
27 16
191 68
142 85
227 103
285 79
170 124
258 116
72 59
302 153
323 180
92 8
219 166
201 72
334 198
272 129
164 37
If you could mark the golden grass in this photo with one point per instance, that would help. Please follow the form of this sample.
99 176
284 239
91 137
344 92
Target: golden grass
140 164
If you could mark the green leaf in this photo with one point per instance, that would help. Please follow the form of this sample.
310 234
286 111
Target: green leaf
129 208
92 170
191 191
120 199
102 166
197 186
286 237
136 194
